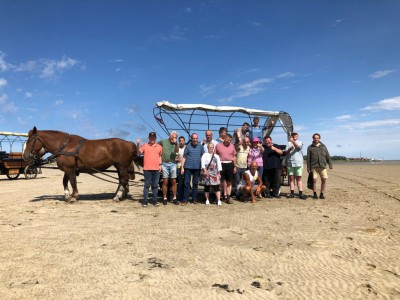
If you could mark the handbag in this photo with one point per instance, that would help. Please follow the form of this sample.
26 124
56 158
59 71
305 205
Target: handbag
310 181
202 178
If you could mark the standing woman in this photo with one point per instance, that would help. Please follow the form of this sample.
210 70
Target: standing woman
256 155
211 166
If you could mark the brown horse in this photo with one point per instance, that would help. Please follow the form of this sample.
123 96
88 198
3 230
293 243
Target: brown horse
75 154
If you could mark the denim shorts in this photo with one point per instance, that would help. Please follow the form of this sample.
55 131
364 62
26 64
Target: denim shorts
168 170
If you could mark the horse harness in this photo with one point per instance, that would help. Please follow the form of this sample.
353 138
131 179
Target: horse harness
60 151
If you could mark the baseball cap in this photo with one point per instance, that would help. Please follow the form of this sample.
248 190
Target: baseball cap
152 134
255 140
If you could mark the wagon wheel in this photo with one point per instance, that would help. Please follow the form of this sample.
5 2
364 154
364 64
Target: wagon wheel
12 176
30 172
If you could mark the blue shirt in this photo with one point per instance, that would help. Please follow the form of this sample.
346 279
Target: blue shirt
193 154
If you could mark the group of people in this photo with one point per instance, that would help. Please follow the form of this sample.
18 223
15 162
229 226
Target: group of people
237 164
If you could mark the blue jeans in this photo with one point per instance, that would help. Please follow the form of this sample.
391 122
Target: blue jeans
188 174
150 178
181 186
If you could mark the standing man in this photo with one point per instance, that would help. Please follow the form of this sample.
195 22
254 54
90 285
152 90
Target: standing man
241 133
294 163
208 140
227 154
190 168
317 159
179 175
272 168
242 151
151 167
169 153
222 135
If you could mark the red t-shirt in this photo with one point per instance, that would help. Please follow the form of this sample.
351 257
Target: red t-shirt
151 159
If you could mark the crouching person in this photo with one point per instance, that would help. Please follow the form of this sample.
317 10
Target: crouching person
251 184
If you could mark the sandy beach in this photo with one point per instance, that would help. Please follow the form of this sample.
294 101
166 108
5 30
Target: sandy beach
344 247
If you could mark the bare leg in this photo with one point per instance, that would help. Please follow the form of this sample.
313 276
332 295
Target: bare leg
299 183
323 185
228 189
291 182
165 187
173 182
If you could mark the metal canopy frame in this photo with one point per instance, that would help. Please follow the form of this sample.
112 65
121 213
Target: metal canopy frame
195 118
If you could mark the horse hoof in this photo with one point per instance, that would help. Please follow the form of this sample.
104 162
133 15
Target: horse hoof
116 199
70 199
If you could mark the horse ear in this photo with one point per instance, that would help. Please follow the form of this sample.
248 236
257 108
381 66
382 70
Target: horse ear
34 130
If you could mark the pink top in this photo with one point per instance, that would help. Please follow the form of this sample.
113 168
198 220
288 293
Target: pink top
226 153
152 156
255 155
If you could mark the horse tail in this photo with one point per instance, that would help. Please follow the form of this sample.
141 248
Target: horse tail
136 159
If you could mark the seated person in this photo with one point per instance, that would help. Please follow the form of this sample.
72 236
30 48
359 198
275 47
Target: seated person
251 184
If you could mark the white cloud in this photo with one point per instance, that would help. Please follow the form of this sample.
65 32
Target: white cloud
177 34
380 74
385 104
3 82
373 124
207 90
188 10
343 117
248 89
286 75
58 102
337 22
53 67
28 95
133 109
4 66
6 106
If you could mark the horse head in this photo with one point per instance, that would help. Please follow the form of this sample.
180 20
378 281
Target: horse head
33 148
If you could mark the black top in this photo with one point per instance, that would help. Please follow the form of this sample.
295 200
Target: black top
271 159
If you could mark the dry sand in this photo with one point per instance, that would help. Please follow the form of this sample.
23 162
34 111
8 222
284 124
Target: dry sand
344 247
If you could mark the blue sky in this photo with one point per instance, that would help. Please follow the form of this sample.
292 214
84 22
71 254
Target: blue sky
97 68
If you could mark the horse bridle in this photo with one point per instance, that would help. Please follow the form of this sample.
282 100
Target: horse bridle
57 152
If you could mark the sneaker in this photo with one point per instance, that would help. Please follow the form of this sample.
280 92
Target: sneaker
207 202
229 201
219 203
144 205
321 196
291 196
165 202
302 197
155 204
184 203
175 202
277 196
315 196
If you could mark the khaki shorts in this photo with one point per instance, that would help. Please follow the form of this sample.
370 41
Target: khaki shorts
321 171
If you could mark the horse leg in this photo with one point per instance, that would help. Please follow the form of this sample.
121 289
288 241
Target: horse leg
65 183
122 189
75 194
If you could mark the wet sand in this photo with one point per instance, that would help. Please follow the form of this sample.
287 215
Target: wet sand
344 247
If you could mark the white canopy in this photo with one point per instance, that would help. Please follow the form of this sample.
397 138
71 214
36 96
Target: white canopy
254 112
169 115
13 133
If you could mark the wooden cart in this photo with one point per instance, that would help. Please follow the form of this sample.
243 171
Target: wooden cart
11 163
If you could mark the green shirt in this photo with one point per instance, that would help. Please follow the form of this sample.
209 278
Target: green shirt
168 152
